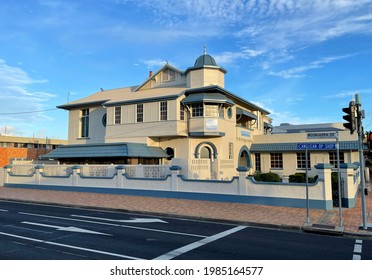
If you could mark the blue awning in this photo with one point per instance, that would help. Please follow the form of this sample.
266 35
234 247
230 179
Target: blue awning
207 97
240 111
121 150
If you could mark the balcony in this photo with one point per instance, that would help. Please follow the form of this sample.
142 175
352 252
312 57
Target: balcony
206 127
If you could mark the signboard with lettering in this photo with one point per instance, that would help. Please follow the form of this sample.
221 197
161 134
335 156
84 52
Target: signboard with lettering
316 146
211 124
321 135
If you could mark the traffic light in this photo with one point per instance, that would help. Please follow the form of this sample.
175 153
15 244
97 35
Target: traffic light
369 140
350 117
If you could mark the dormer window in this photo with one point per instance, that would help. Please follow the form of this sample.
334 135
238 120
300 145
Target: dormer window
169 75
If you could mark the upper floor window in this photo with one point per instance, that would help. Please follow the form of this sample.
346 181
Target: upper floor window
117 119
182 112
211 110
85 123
163 110
197 110
169 75
139 112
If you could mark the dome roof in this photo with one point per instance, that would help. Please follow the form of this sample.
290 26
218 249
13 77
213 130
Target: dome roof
205 59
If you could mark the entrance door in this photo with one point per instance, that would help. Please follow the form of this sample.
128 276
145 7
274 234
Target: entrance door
206 153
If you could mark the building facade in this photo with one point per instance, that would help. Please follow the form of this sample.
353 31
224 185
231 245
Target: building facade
188 118
25 149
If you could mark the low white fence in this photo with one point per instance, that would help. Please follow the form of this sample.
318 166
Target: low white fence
166 178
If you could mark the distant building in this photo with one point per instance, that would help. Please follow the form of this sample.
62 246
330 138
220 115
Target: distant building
26 149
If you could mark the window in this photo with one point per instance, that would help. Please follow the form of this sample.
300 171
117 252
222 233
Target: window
117 119
333 158
301 160
231 150
85 123
211 110
139 113
168 75
197 110
257 161
182 112
276 160
163 110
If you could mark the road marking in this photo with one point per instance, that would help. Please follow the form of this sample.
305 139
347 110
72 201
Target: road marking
175 253
134 220
70 246
357 249
114 225
71 229
3 210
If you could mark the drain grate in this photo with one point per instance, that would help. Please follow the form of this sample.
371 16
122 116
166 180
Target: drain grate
323 226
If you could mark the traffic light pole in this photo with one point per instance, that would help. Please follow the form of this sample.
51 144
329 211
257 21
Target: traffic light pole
361 160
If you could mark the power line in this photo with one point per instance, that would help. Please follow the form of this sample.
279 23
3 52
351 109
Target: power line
28 112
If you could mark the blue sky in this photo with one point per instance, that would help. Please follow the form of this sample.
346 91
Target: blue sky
301 60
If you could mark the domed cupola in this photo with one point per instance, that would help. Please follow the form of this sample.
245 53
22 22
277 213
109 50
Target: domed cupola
205 72
205 60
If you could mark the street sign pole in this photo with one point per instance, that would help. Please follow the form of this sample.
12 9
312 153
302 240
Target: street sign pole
307 188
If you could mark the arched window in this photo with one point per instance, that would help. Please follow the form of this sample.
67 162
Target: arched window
244 157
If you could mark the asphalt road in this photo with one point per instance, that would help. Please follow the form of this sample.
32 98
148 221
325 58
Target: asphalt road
42 232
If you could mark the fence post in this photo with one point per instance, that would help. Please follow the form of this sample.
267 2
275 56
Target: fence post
75 174
7 169
38 170
242 181
350 184
120 170
324 173
175 171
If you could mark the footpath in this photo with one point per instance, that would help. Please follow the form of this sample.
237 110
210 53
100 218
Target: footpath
248 214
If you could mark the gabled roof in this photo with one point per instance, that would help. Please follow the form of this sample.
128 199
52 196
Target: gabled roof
166 66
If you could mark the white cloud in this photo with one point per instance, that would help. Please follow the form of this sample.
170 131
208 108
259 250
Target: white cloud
154 63
231 57
299 71
15 84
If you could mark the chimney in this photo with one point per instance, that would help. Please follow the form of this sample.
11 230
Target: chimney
150 74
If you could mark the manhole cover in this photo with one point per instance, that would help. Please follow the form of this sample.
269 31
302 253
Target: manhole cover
323 226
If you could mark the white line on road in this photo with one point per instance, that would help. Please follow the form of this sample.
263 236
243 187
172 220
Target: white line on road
114 225
3 210
175 253
357 249
70 229
70 246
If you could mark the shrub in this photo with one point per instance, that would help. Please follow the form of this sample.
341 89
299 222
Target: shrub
267 177
301 178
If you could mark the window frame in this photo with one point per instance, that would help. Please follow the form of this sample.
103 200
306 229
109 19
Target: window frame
139 113
301 160
117 115
84 123
276 161
163 110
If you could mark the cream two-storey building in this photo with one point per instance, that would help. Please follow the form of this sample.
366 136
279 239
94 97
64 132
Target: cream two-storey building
184 116
188 119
